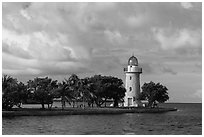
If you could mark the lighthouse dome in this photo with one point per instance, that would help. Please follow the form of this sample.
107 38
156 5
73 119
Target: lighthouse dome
133 61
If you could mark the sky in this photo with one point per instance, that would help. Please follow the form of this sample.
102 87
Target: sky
59 39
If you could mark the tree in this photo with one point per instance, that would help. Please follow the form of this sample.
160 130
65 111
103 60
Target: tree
89 91
106 87
64 92
113 89
21 95
43 90
154 93
9 88
73 83
86 92
14 93
96 87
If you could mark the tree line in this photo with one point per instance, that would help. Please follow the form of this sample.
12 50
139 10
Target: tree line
95 90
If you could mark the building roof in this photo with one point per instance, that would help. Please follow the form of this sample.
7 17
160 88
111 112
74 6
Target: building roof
133 61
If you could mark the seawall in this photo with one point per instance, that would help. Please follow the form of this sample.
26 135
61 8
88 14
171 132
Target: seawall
80 111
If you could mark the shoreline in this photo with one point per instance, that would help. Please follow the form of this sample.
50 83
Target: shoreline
80 111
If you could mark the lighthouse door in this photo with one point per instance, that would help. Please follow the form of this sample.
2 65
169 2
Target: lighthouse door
129 101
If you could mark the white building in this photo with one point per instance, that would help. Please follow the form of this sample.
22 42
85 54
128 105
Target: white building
132 84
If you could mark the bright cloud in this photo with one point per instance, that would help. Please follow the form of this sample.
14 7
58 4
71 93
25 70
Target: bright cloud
136 21
186 5
11 38
177 38
25 14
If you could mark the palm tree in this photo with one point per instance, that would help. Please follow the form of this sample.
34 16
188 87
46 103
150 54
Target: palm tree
8 82
9 89
42 90
86 90
64 92
83 91
74 83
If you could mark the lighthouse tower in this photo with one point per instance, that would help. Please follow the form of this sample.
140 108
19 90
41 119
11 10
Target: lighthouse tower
132 84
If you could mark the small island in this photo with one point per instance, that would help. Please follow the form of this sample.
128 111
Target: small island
81 102
91 95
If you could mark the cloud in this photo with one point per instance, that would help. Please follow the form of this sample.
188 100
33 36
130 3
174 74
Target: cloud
20 66
147 68
25 14
198 65
186 5
12 38
115 37
156 68
136 21
168 70
198 93
173 39
15 51
57 39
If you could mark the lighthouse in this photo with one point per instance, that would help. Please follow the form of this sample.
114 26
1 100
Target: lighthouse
132 83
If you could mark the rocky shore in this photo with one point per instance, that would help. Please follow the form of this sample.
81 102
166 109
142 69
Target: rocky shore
80 111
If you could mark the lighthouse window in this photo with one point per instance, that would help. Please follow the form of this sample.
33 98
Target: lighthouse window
130 77
130 88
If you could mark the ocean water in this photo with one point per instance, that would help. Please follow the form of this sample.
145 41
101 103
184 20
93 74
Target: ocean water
186 121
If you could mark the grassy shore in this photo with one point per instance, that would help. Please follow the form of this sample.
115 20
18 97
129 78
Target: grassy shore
81 111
